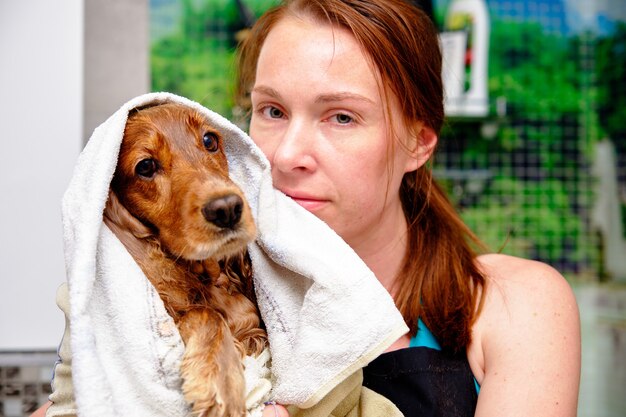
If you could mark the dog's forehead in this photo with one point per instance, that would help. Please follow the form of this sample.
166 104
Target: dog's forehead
170 119
171 127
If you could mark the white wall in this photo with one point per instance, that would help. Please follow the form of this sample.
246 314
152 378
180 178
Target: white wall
40 138
65 66
116 57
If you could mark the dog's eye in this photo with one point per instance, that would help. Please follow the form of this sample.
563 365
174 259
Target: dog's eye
146 168
210 141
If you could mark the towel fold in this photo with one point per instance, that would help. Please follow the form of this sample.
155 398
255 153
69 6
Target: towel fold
326 313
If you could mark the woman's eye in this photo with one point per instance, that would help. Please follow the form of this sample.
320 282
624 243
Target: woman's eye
273 112
343 119
211 142
146 168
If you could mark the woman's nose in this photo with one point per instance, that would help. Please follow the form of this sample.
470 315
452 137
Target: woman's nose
296 148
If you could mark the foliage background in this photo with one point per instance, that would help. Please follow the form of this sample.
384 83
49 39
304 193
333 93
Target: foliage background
563 82
193 48
525 187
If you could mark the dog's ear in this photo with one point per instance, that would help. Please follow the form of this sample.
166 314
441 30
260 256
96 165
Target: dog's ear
117 217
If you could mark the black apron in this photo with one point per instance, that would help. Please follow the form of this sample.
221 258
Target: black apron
424 382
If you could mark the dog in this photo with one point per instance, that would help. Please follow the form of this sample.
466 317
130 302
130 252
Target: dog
173 206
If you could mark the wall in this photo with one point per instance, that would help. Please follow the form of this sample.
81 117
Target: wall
66 66
40 133
116 66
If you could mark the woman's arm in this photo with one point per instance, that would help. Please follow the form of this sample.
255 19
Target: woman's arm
526 343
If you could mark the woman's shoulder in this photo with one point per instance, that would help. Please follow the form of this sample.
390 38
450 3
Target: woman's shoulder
529 315
522 279
523 288
500 266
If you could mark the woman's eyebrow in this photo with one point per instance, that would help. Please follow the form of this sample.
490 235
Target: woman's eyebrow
322 98
261 89
341 96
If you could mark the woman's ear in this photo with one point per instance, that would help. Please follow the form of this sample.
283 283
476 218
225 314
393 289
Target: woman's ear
423 144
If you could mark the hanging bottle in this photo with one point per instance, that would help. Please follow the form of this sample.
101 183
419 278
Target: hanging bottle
467 21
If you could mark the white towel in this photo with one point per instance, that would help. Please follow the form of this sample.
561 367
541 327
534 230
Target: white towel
326 313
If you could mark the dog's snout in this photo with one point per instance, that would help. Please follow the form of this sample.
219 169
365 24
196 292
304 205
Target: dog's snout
224 212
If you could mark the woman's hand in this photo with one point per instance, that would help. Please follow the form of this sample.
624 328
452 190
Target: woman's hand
274 410
41 411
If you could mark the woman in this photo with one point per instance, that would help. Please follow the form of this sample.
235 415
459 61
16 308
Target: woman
347 104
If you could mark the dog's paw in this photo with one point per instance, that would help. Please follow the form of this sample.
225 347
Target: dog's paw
220 396
213 379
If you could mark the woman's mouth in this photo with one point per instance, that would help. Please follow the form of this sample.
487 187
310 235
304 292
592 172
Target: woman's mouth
310 203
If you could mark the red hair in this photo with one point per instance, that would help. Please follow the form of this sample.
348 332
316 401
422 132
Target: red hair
440 280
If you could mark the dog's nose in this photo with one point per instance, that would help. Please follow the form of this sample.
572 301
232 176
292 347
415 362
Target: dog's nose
224 212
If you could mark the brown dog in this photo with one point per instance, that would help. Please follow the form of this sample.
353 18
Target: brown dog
187 224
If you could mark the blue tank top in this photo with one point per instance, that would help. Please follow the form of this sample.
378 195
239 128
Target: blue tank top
424 337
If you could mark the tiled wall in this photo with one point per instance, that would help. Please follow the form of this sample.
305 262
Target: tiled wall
24 382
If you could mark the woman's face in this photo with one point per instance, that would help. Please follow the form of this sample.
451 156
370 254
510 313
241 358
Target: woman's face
319 117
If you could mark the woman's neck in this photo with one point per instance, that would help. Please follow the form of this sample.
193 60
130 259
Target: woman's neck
384 252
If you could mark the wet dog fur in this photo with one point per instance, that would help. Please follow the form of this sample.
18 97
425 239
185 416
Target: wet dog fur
172 204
